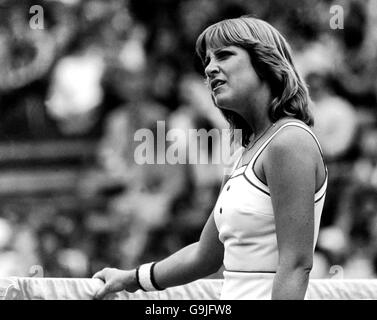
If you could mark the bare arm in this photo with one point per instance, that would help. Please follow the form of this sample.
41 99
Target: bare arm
290 170
193 262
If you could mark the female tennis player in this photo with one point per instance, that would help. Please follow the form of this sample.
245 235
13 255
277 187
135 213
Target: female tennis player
265 223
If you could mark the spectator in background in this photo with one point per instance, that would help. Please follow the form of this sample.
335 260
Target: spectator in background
143 184
9 260
27 54
355 75
75 91
18 246
351 241
336 119
196 112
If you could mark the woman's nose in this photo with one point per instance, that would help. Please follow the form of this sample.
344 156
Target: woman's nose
211 69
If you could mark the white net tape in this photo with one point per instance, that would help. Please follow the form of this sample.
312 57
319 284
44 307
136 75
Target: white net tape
84 289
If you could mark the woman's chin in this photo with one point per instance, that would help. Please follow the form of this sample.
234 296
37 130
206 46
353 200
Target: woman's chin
223 105
222 102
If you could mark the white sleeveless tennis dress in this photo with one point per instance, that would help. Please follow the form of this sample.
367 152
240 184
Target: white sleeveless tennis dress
245 220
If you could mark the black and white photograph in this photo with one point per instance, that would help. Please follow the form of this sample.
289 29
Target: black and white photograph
200 150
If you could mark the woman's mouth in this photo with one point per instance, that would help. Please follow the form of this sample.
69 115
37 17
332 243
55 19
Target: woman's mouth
216 83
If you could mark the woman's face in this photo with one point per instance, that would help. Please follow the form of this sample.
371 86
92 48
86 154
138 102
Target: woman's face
231 78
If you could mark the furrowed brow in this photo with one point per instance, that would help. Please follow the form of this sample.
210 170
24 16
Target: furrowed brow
215 52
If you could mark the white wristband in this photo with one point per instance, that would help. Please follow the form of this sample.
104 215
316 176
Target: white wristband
145 280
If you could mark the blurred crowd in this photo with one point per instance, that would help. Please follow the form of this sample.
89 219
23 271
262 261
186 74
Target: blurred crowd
100 70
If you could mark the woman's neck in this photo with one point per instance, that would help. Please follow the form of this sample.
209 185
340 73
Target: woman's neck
258 122
257 113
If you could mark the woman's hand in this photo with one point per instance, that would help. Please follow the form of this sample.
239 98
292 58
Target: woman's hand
116 280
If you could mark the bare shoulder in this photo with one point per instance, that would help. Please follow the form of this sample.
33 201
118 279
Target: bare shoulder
293 143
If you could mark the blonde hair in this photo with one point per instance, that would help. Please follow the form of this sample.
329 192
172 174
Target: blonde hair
271 57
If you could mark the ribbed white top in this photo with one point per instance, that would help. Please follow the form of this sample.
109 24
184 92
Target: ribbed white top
245 219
